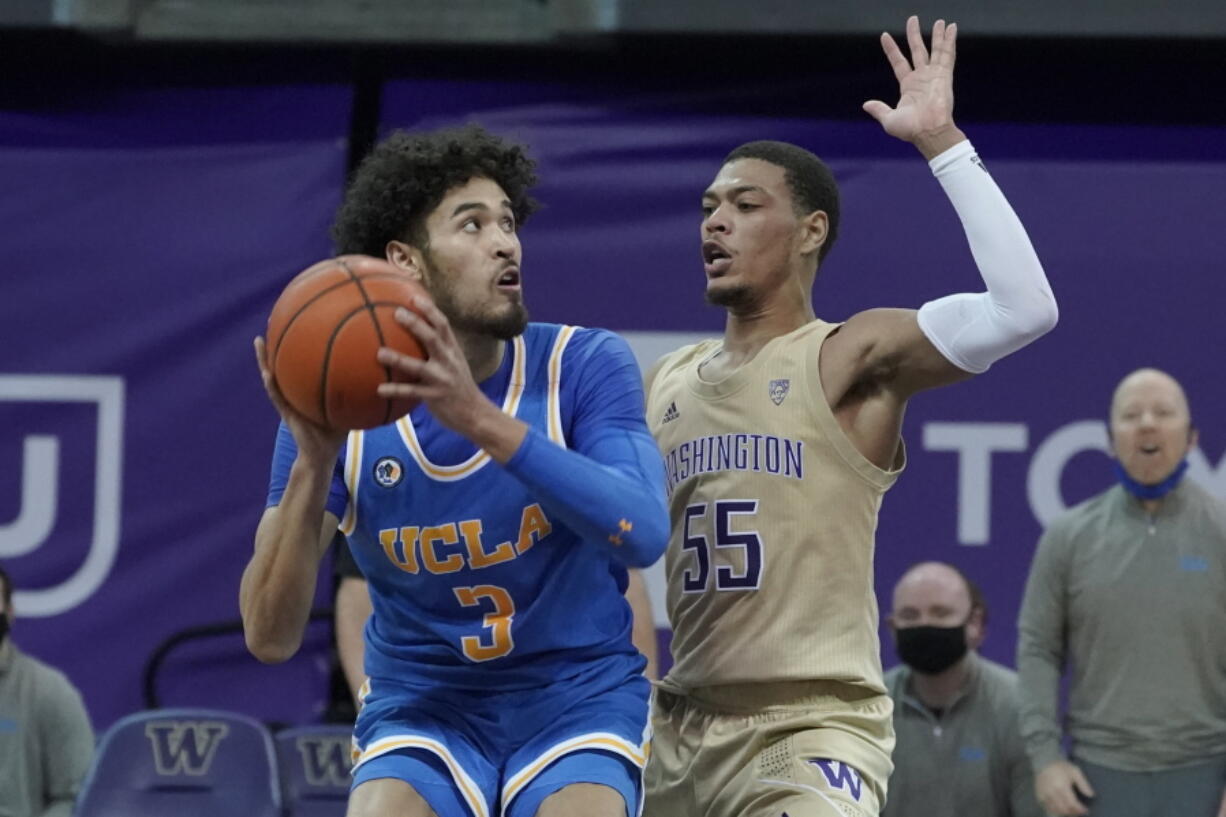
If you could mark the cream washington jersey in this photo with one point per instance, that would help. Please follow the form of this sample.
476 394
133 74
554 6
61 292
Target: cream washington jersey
773 514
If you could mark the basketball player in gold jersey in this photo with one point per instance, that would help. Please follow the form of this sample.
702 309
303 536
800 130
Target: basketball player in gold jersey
779 441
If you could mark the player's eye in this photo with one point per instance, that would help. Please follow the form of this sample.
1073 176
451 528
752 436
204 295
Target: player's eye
707 210
745 206
471 225
508 224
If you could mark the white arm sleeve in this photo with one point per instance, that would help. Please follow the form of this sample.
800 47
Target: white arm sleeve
974 330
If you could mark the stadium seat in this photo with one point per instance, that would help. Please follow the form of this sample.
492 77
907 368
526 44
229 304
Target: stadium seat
183 762
315 763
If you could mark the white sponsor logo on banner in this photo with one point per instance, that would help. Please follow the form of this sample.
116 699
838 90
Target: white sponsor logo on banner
975 443
40 506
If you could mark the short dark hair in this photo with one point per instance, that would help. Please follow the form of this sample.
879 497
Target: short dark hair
406 176
7 590
810 181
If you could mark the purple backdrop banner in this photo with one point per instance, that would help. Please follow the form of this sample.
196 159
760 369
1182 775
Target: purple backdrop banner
147 235
1123 218
145 238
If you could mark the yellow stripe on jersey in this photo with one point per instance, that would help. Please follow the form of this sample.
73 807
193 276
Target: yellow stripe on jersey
353 465
510 405
467 786
601 740
555 382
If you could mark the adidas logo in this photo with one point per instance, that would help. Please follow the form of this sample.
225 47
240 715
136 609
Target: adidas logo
672 413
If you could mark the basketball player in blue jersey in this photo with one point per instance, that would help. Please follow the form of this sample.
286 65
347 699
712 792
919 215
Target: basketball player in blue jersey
495 523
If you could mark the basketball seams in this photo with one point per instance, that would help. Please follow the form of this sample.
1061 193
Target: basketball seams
290 321
374 319
323 356
327 364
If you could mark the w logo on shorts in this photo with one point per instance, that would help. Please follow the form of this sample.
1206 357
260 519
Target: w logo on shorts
840 776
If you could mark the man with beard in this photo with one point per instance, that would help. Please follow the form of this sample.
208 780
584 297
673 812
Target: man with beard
494 523
779 441
1129 590
46 742
958 750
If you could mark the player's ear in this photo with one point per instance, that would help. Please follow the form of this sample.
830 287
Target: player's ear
405 257
815 227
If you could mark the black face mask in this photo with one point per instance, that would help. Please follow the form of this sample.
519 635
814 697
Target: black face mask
931 650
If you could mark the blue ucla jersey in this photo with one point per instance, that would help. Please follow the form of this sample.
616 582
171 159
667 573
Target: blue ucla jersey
475 583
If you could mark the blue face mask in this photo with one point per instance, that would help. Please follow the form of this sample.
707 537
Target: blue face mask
1157 491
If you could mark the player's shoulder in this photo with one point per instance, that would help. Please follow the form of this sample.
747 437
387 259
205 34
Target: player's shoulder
689 355
579 339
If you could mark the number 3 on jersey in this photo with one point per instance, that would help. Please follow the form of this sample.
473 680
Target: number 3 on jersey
697 578
498 622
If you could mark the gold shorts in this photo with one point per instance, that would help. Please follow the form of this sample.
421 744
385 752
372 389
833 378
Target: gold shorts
794 749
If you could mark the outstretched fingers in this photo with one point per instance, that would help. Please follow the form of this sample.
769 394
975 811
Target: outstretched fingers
949 51
894 54
877 109
919 54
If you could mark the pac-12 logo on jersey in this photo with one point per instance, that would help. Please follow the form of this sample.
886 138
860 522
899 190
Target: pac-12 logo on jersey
388 472
779 390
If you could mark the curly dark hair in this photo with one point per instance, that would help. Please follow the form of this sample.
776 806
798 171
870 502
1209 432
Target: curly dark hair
809 181
406 176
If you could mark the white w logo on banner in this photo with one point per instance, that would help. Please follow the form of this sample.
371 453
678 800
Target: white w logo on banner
41 460
325 760
185 747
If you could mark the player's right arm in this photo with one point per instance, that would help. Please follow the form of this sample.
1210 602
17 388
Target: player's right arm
879 358
959 335
278 585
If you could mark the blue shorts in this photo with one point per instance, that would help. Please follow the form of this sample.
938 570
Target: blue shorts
485 754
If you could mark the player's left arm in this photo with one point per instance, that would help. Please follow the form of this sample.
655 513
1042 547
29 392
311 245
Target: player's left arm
608 487
953 337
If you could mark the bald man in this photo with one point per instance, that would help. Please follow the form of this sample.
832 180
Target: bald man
959 751
1128 591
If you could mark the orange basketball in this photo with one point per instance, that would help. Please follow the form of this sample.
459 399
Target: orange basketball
323 334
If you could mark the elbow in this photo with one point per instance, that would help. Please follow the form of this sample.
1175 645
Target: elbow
1045 318
650 544
269 650
1034 321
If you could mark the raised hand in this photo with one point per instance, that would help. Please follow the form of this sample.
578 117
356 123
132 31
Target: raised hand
924 114
444 382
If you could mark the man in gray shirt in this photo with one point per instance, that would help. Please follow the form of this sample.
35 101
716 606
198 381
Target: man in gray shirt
1128 590
46 743
959 752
